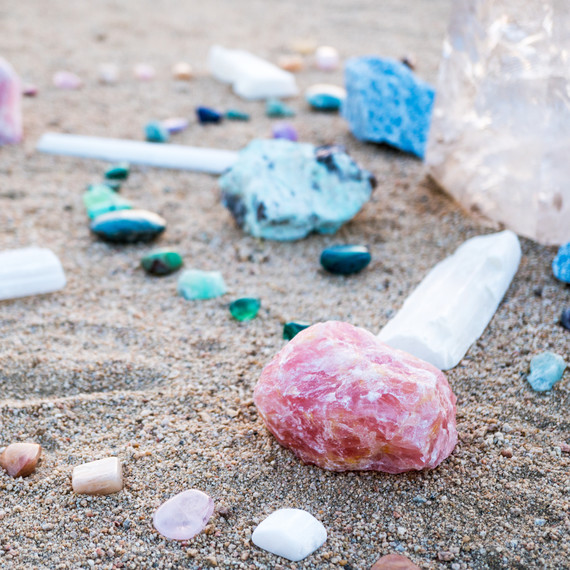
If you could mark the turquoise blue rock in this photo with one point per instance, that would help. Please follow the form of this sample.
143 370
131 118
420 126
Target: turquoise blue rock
345 259
545 370
156 133
276 108
237 115
197 284
284 190
128 226
118 171
561 264
101 198
387 103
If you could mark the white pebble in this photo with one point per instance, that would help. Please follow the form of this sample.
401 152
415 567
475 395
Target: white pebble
101 477
327 58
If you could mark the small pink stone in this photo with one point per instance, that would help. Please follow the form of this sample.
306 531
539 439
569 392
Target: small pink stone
184 516
343 400
144 71
394 562
20 459
10 104
67 80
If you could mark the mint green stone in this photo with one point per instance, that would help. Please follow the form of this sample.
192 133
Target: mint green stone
100 199
546 369
161 262
196 284
118 171
293 328
245 309
236 115
276 108
114 185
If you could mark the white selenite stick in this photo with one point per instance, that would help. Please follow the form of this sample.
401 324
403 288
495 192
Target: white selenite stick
212 161
452 306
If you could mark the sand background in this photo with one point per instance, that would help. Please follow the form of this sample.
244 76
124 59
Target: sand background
117 364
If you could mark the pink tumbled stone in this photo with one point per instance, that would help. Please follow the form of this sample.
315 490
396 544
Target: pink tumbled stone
184 516
10 104
343 400
20 459
67 80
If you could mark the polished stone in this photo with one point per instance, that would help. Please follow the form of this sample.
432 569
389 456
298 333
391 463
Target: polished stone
245 309
162 262
155 132
324 97
197 284
20 459
565 319
276 108
394 562
345 259
128 226
206 116
546 369
118 171
101 198
293 328
101 477
285 131
237 115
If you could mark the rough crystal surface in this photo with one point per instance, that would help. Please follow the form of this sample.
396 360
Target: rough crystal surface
385 102
101 198
20 459
452 306
561 264
546 369
284 190
197 284
499 140
343 400
10 104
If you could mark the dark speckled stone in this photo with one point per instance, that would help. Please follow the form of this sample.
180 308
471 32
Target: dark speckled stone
345 259
128 226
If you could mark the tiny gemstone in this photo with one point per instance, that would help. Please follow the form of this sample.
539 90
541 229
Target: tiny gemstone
20 459
175 124
101 477
345 259
67 80
327 58
109 73
565 319
291 63
324 97
196 284
128 226
183 516
276 108
546 369
118 171
144 71
394 562
162 262
10 104
293 328
206 115
155 132
285 131
237 115
182 71
100 199
291 533
561 264
245 309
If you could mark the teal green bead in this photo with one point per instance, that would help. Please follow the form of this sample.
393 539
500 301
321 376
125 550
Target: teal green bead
276 108
100 199
345 259
293 328
156 133
546 369
118 171
196 284
324 101
161 262
236 115
245 309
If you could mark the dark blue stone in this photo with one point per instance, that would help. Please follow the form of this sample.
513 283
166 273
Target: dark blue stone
565 319
128 226
207 115
345 259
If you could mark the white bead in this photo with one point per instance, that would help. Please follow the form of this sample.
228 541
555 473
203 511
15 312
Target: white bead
101 477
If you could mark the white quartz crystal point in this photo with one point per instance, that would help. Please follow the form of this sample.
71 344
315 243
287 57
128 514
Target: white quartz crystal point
451 307
499 140
250 76
291 533
29 271
101 477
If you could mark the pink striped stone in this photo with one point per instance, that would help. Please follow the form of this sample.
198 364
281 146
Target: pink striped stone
10 104
343 400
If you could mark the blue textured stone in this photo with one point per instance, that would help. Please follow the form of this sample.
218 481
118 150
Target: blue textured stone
128 226
156 133
545 370
561 264
206 115
197 284
387 103
284 190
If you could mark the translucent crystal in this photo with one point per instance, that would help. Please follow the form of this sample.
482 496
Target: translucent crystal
101 477
499 140
10 104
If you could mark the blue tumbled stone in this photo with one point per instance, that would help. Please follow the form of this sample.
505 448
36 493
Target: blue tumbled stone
565 319
561 264
156 133
387 103
545 370
345 259
206 115
128 226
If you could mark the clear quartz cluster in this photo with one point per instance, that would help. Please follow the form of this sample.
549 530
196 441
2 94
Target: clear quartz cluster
499 141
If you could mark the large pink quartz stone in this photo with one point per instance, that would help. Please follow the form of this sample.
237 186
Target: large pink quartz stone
342 399
184 516
10 104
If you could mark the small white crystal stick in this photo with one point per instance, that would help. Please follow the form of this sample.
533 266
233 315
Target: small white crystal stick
101 477
250 76
179 157
452 306
29 271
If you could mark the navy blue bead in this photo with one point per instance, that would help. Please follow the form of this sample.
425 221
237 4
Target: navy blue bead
207 115
565 319
128 226
345 259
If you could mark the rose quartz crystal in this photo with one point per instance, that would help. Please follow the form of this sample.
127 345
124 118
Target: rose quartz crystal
342 399
10 104
20 459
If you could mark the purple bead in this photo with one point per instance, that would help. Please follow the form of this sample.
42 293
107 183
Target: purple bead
285 131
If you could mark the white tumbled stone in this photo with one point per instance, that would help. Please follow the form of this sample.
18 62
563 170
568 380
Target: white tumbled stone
291 533
452 306
101 477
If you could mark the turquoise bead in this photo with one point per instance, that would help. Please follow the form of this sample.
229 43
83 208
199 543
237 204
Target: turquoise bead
276 108
118 171
156 133
196 284
128 226
245 309
546 369
293 328
161 262
345 259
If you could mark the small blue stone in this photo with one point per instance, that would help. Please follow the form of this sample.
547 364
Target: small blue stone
387 103
206 115
345 259
128 226
539 522
323 97
565 319
156 133
545 370
561 264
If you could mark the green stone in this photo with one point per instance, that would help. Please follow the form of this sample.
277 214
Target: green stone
161 262
156 133
276 108
236 115
245 309
100 199
293 328
196 284
118 171
114 185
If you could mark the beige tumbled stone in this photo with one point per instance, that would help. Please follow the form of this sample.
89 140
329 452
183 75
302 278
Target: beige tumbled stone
182 71
20 459
101 477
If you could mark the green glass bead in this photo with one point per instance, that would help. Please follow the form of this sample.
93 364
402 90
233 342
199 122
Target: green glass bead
196 284
118 171
236 115
245 309
293 328
100 199
162 262
276 108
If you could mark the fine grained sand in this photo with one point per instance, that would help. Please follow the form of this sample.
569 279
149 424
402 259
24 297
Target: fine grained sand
117 364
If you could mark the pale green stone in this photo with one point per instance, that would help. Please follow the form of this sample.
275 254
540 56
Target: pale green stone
196 284
100 199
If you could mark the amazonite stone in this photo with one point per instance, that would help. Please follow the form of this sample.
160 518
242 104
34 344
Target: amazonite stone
118 171
197 284
276 108
156 133
100 199
293 328
162 262
545 370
